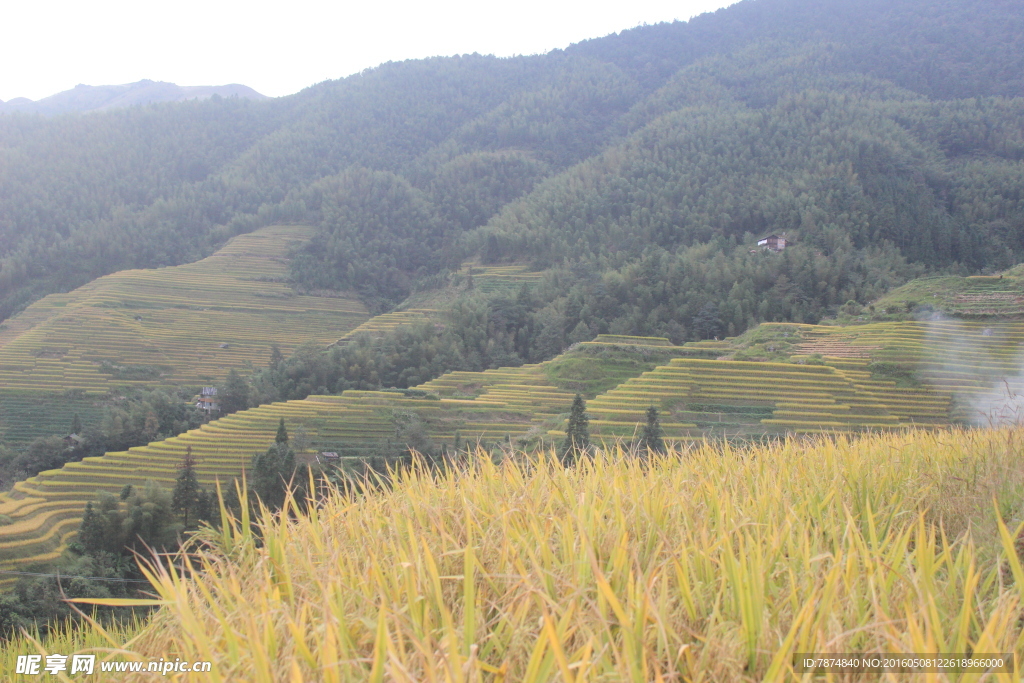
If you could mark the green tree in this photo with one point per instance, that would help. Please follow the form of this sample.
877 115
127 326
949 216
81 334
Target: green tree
145 520
577 434
12 619
282 433
76 424
92 533
44 453
276 357
272 470
148 520
100 530
651 439
234 395
205 506
707 322
186 488
580 333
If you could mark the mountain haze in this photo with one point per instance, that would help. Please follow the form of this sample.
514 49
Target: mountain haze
92 98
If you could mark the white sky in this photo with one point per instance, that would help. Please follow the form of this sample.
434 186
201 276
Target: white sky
278 48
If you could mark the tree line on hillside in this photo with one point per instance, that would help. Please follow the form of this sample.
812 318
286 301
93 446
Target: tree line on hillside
135 420
872 185
85 195
698 294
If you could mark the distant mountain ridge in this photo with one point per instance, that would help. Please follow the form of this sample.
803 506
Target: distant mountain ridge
90 98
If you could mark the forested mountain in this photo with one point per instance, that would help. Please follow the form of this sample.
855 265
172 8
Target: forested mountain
884 138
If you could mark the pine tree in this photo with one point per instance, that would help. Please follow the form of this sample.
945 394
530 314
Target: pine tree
282 433
271 473
204 506
651 438
577 434
91 533
186 488
76 424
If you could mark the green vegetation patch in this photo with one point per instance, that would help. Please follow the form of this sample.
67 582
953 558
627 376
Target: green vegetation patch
904 374
1000 295
133 372
26 415
595 370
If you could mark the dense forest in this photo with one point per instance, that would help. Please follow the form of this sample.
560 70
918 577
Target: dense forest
636 170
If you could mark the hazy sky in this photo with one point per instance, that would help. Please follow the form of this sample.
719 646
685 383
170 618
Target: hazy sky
281 47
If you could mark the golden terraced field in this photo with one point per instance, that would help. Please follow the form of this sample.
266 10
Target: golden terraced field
491 406
970 360
185 324
710 564
699 396
528 404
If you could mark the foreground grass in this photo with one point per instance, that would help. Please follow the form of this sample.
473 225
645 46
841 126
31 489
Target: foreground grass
711 565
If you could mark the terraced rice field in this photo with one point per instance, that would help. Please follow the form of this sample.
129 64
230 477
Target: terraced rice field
698 395
979 295
186 324
491 406
491 278
970 360
26 415
959 365
386 322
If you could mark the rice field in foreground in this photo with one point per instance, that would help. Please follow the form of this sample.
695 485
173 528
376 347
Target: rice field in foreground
708 564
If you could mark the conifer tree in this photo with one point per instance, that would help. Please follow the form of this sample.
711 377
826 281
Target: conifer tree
282 433
204 506
76 424
651 439
92 532
577 434
186 488
272 471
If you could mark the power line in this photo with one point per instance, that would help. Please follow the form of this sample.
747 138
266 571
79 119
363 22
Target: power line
72 576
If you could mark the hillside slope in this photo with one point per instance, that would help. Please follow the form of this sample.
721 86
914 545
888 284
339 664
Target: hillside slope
182 325
835 380
496 406
464 137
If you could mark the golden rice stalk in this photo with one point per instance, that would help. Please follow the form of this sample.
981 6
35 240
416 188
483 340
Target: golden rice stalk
713 564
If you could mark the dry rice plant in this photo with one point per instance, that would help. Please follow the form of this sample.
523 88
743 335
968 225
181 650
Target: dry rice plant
713 564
